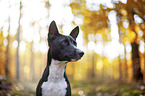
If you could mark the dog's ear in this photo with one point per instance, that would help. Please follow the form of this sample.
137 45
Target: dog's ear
74 33
53 31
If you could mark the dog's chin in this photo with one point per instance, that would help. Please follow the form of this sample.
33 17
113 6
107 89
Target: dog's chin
71 59
76 59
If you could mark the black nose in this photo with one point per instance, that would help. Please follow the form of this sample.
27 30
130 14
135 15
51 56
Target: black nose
81 54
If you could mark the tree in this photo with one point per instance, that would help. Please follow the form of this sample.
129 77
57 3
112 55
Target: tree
18 39
134 7
128 11
96 21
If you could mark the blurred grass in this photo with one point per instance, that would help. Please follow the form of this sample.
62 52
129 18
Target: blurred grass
84 88
107 88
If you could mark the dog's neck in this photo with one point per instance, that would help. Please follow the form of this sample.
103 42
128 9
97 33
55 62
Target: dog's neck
56 70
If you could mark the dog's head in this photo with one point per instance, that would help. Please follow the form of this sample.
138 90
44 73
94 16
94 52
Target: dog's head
63 48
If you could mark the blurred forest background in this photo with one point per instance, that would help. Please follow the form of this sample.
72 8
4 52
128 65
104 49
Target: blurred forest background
112 35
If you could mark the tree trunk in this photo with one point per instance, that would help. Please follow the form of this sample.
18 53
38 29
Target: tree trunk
93 66
144 62
137 75
125 65
18 39
7 53
32 63
119 29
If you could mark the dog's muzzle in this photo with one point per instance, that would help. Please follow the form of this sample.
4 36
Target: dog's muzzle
79 52
78 55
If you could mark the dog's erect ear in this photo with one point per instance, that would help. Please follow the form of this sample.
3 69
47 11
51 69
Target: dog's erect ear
53 31
74 33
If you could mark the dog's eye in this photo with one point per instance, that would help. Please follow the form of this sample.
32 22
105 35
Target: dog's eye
64 42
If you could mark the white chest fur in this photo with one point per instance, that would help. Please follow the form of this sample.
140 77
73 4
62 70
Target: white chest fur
56 84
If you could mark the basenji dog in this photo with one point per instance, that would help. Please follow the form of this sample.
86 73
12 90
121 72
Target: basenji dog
62 49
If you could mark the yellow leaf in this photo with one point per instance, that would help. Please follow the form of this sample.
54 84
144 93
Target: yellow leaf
132 36
124 40
87 20
75 6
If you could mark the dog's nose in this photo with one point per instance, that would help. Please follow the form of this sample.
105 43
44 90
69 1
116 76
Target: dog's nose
81 54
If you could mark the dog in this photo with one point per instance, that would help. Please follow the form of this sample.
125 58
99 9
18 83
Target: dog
62 49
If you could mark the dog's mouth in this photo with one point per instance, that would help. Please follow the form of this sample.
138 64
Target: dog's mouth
74 58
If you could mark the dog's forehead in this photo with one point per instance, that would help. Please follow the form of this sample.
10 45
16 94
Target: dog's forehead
66 37
61 38
71 38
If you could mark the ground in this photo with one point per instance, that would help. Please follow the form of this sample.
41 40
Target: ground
108 88
80 88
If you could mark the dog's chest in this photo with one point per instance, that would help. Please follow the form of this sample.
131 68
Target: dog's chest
54 89
56 84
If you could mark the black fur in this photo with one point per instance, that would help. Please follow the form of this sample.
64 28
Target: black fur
61 48
45 77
